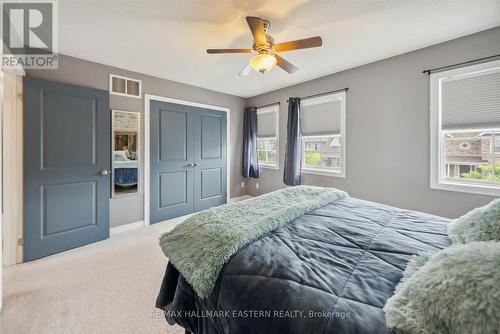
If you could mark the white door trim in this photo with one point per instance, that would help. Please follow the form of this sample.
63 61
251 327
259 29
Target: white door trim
147 119
12 152
8 103
1 190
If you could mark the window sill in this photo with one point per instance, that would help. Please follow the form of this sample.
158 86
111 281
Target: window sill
466 188
322 172
275 167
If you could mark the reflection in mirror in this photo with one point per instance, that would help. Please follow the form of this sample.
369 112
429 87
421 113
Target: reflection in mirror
125 152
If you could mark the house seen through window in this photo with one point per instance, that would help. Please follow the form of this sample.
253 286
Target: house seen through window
322 152
472 155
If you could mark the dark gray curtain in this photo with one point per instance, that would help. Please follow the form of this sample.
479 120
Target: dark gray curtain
293 149
250 158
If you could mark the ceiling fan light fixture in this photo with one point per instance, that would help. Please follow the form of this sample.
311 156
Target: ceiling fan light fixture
262 62
265 48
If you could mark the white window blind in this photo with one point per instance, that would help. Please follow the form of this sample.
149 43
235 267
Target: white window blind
471 101
267 136
321 116
266 122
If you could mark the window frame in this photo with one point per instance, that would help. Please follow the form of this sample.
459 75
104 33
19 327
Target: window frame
495 149
339 96
275 108
437 154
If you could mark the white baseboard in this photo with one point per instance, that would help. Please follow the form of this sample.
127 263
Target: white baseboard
139 224
176 220
239 198
126 227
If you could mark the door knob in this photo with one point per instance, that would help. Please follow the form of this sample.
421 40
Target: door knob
104 172
190 165
195 164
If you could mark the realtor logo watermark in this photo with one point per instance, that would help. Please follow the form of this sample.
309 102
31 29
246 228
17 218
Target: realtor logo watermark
29 34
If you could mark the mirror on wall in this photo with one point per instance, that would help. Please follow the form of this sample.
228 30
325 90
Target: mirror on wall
125 153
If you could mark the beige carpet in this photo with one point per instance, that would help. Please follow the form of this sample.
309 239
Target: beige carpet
106 287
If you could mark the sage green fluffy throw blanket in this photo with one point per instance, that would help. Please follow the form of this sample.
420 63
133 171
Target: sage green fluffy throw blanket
454 291
203 243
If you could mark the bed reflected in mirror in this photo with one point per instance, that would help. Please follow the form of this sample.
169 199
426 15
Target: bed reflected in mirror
125 157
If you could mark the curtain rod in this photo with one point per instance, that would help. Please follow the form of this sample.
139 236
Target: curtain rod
268 105
429 71
324 93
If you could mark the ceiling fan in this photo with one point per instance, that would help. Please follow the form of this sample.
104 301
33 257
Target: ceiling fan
265 57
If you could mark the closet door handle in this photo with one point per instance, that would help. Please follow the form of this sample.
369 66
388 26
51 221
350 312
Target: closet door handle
103 172
190 165
195 164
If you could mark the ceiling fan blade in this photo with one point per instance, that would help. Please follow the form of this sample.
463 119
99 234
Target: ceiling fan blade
285 65
246 70
257 28
211 51
305 43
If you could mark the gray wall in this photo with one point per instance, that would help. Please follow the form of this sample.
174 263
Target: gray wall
387 128
387 125
76 71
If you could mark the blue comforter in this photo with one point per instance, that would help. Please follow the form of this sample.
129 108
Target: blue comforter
125 176
329 271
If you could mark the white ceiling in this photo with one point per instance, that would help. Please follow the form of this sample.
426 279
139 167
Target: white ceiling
168 38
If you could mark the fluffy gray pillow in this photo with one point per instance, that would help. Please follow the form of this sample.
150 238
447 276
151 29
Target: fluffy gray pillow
480 224
453 291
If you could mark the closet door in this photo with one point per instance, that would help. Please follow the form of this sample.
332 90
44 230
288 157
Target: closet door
188 160
171 161
209 159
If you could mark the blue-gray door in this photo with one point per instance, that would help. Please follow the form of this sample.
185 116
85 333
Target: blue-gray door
209 159
188 160
66 167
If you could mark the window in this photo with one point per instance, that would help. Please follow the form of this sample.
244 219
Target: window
323 135
465 129
320 154
469 155
496 145
267 136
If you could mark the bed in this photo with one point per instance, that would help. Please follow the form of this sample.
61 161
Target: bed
125 170
329 271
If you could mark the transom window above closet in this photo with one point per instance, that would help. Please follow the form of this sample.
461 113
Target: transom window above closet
123 86
465 129
323 134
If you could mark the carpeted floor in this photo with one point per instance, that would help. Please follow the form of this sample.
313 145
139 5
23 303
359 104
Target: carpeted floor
106 287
